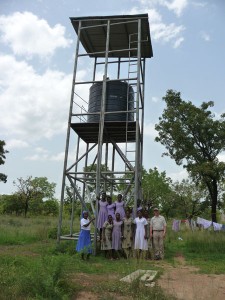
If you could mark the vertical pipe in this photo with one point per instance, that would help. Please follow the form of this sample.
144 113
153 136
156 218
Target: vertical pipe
113 166
118 71
74 194
137 153
106 163
68 135
94 70
85 169
101 130
142 119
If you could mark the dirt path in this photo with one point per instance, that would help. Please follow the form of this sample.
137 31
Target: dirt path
181 281
185 283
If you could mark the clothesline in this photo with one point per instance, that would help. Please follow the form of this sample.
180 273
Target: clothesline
200 221
177 224
206 224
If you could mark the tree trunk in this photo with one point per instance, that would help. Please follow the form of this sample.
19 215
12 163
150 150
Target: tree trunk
26 209
214 196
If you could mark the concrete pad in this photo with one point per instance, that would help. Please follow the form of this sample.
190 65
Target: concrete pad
147 275
152 284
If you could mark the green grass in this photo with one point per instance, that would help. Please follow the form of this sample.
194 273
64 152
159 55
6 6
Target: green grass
19 231
204 249
32 266
29 278
136 291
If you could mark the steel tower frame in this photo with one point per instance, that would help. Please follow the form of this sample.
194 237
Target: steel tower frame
118 46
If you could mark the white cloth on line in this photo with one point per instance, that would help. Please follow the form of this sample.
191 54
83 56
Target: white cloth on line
217 226
205 223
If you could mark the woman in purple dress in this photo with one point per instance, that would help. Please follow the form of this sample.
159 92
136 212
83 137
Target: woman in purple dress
102 213
117 235
120 206
111 207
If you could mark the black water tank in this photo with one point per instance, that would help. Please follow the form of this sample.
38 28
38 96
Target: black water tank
117 95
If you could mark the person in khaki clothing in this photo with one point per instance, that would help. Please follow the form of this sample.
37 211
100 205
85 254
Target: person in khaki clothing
157 233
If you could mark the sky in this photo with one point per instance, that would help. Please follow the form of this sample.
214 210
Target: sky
37 46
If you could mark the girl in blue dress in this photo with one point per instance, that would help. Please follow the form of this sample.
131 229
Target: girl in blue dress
84 241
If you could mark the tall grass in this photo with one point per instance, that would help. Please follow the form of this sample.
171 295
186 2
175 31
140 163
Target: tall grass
206 242
28 267
28 278
18 230
204 249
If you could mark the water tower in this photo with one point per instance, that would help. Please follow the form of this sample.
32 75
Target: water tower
104 144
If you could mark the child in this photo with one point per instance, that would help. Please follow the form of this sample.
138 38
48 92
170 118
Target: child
117 235
120 206
111 207
102 214
107 237
127 232
140 242
84 241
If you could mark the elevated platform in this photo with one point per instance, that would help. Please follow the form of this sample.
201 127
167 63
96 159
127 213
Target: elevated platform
116 131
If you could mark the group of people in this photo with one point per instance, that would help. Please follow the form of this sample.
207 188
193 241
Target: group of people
124 232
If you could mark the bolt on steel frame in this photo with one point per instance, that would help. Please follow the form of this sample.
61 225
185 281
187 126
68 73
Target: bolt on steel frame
116 48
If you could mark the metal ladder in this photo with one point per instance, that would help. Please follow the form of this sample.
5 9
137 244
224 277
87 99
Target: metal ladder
132 71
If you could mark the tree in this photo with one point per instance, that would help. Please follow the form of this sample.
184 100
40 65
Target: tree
157 190
3 177
189 199
69 198
51 207
34 189
11 204
192 134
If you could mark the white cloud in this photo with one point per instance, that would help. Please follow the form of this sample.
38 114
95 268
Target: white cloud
41 150
37 157
155 99
166 33
178 176
33 105
178 42
153 14
205 36
221 157
160 31
45 155
16 144
28 35
58 157
198 4
177 6
149 130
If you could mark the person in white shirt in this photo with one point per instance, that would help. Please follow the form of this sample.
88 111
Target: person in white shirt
158 233
140 241
84 241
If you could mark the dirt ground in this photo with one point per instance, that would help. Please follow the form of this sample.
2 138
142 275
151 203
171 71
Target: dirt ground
181 281
185 283
92 280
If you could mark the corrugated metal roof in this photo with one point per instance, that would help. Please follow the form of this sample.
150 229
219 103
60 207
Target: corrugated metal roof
93 34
